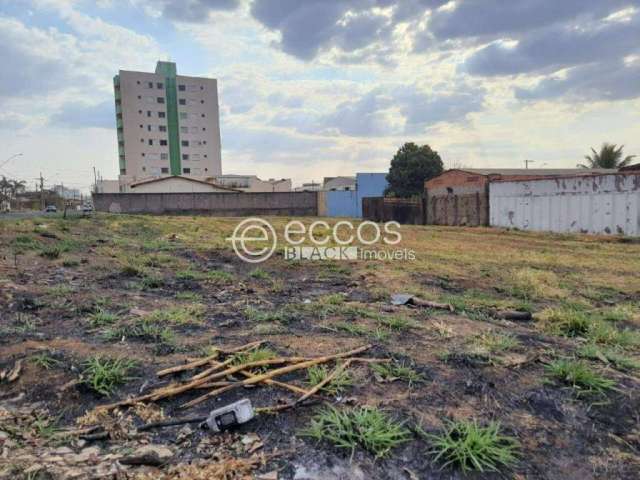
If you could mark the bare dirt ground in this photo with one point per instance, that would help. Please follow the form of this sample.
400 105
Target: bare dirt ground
156 292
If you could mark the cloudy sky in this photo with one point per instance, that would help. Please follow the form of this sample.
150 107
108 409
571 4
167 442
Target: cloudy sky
311 88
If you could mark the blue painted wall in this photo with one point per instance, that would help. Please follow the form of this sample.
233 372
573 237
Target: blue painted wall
349 203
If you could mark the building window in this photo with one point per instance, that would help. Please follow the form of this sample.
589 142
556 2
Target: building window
150 84
164 170
204 142
144 169
183 115
160 99
204 129
206 169
141 126
195 157
164 156
160 85
140 112
138 82
162 128
182 88
148 128
123 171
202 102
163 142
185 156
161 115
182 101
139 97
143 154
142 140
203 115
184 129
185 143
194 129
205 156
186 170
149 113
150 141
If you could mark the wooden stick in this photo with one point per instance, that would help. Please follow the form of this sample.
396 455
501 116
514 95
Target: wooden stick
171 391
204 361
274 373
339 369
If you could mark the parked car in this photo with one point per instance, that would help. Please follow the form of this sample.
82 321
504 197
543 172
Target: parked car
87 208
51 209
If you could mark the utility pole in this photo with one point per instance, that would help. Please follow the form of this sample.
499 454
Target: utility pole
95 180
527 162
41 192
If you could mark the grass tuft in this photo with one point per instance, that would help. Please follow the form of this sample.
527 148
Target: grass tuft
495 342
337 385
366 427
44 360
469 446
609 355
102 318
580 376
104 375
396 371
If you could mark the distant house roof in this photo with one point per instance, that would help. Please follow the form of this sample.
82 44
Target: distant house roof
180 177
631 168
537 171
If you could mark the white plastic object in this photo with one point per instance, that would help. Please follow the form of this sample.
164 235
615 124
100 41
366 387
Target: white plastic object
230 415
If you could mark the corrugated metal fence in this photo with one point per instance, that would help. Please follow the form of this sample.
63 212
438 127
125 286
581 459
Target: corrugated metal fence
603 204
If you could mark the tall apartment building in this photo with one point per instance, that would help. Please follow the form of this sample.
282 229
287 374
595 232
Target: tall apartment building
168 124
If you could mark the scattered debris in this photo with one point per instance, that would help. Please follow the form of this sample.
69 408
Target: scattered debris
230 416
153 455
12 374
406 299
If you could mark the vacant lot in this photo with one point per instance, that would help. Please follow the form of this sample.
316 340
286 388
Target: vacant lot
91 309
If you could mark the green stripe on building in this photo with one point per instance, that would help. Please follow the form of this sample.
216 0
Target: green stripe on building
168 69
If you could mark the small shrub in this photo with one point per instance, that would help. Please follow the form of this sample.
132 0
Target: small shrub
366 427
70 263
338 384
579 376
104 375
469 446
25 242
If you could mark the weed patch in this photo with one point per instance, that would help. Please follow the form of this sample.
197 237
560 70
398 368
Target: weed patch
392 371
580 376
104 375
337 385
366 427
469 446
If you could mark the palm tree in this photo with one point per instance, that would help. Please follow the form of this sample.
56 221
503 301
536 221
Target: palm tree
609 156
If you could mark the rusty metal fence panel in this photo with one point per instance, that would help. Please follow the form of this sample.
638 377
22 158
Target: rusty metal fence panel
602 204
402 210
470 210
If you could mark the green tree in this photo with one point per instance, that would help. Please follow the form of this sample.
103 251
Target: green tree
609 156
410 168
